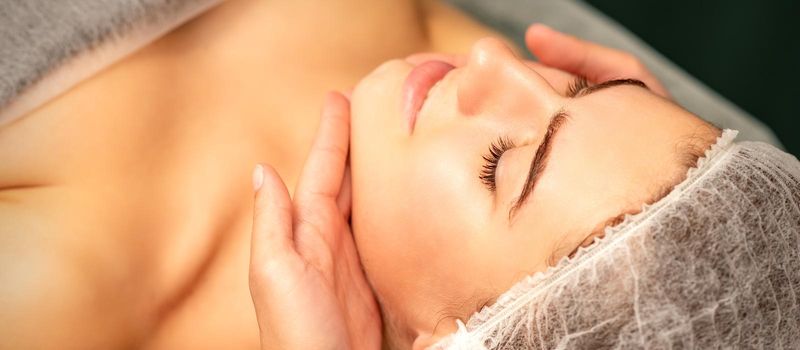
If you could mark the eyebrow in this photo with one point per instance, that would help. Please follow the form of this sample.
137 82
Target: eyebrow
611 83
539 161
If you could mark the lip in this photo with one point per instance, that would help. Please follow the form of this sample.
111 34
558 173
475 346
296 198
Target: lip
415 89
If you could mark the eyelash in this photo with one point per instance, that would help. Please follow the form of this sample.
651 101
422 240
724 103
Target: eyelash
492 159
502 144
576 86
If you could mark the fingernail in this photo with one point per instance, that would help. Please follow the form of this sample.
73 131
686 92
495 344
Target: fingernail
258 177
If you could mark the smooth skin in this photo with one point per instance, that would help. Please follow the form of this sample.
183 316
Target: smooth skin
437 243
577 58
125 203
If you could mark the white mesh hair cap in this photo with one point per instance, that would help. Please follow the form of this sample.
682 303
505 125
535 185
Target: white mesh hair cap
714 264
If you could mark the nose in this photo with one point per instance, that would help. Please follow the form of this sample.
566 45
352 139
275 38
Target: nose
495 81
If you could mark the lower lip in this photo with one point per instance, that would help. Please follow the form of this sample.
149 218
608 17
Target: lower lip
416 87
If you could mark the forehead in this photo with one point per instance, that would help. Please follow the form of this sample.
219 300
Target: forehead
617 149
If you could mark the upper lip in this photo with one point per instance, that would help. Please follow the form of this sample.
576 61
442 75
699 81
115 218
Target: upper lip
418 83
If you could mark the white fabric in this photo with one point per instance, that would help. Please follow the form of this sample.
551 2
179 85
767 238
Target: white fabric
714 264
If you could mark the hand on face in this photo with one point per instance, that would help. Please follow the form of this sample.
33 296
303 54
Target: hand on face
305 277
421 224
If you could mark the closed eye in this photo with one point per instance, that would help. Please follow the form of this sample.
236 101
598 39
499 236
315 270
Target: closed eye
581 87
491 159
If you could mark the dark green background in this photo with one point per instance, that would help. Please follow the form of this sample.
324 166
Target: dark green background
748 51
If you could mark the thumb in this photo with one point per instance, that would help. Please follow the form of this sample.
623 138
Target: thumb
272 217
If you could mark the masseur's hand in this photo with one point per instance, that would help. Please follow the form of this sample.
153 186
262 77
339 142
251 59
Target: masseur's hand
596 63
305 278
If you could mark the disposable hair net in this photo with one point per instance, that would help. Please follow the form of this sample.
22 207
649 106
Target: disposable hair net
714 264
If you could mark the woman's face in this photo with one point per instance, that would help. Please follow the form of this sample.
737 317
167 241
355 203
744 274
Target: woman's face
442 229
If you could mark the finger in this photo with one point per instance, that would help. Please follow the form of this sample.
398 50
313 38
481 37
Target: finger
322 174
345 199
272 217
558 79
595 62
571 54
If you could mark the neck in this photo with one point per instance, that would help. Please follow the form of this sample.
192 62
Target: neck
315 34
268 63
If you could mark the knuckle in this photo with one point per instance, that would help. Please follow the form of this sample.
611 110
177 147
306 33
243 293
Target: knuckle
309 199
335 151
324 261
312 222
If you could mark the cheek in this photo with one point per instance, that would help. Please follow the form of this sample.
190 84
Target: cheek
377 151
416 213
445 188
376 106
406 204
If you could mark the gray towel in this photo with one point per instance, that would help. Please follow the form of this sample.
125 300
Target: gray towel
38 36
